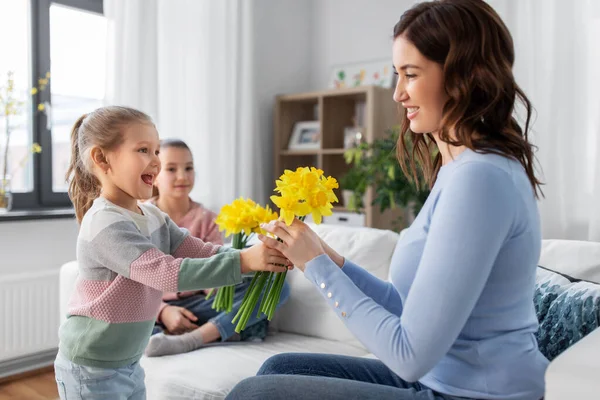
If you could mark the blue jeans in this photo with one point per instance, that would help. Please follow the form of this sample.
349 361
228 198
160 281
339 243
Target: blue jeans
201 308
78 382
304 376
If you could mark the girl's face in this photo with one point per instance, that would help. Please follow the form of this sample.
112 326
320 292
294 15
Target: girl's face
420 87
177 176
132 167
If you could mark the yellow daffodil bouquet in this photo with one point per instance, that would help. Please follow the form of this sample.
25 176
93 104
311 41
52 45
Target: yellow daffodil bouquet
242 218
301 192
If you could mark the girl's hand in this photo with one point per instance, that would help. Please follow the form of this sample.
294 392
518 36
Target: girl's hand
178 320
262 258
300 243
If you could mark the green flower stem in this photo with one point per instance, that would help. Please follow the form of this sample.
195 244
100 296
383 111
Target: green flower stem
224 298
272 294
274 282
240 312
275 296
252 284
249 305
263 301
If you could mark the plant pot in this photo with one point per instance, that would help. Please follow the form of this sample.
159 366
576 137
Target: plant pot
409 213
5 195
350 202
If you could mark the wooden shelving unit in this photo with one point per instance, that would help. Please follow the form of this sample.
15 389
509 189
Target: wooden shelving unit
335 110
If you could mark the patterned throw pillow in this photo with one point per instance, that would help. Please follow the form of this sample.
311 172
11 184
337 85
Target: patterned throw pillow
567 311
256 332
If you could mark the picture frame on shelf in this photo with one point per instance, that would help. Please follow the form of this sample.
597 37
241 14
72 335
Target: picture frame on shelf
306 135
378 73
353 136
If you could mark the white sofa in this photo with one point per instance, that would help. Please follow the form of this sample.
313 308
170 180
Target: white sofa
306 324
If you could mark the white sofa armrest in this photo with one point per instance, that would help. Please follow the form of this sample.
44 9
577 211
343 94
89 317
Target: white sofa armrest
574 374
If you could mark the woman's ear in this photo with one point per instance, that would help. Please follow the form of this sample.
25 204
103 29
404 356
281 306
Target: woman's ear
99 158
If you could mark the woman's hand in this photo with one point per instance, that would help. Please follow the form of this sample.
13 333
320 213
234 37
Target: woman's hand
178 320
262 258
300 243
339 260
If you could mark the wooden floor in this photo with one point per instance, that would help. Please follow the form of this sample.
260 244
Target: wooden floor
39 386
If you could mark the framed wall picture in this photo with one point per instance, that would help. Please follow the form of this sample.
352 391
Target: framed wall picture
305 135
378 73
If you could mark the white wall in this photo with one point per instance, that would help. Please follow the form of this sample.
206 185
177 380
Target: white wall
31 253
40 245
348 31
283 39
298 42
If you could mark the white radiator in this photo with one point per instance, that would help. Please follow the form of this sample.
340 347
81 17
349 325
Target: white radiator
29 314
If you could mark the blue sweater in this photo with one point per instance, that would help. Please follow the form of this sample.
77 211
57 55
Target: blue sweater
458 315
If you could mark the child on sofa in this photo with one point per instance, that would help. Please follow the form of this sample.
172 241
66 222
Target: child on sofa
128 254
182 312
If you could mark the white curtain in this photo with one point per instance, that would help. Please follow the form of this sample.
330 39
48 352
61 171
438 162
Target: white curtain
557 65
189 65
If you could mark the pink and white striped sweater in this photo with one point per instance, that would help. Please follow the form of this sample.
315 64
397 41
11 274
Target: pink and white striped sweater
126 261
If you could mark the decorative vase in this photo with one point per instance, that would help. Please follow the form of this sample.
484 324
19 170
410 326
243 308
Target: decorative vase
347 197
349 200
5 195
409 213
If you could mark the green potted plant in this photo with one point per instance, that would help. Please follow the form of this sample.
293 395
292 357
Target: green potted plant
375 165
353 186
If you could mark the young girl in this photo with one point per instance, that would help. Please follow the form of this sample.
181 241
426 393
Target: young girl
457 320
181 312
128 254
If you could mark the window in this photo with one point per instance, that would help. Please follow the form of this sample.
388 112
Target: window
67 40
78 57
15 57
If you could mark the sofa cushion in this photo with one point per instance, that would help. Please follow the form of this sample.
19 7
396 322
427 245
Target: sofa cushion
211 372
306 312
567 310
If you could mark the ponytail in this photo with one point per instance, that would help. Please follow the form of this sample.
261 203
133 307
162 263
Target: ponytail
84 187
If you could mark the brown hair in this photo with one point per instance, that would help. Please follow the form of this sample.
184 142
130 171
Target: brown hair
475 49
102 127
167 144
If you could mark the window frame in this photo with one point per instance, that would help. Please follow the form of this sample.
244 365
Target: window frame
42 196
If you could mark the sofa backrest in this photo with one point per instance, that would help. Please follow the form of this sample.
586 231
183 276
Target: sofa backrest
578 259
306 311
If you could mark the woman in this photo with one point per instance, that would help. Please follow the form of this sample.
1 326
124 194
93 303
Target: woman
457 319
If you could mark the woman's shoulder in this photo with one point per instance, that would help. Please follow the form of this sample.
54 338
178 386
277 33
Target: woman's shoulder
479 165
488 158
488 177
